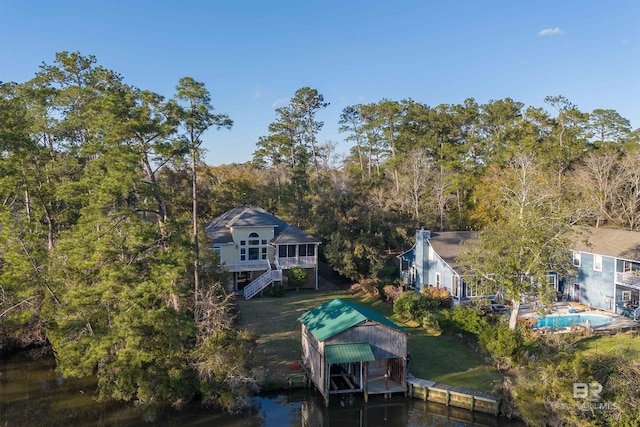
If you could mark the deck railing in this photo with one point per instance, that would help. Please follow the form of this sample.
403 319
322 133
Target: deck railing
302 261
628 278
253 265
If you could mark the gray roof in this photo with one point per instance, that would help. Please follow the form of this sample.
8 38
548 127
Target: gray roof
448 244
607 241
219 229
602 241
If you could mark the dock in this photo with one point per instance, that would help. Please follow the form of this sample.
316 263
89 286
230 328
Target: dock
449 395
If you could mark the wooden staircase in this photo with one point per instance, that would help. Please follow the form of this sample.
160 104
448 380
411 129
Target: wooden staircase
268 277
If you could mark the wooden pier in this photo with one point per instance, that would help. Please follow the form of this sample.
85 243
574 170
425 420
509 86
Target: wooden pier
473 400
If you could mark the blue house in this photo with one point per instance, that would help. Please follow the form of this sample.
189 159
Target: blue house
432 261
607 263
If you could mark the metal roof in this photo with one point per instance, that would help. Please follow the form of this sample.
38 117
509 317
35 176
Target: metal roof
346 353
338 315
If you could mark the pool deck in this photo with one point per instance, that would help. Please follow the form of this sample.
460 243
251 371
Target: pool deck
619 324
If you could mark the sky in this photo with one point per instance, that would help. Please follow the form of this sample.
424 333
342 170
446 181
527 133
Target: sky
253 55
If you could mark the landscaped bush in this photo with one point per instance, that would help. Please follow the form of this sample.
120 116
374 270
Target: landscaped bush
277 290
392 292
296 277
414 306
463 319
430 323
501 341
441 295
369 287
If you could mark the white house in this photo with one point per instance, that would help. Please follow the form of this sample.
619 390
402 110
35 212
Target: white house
258 248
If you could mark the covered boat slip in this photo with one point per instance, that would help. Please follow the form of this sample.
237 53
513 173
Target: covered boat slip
347 366
347 348
353 369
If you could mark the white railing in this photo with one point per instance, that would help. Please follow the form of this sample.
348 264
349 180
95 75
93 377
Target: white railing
636 313
267 278
629 278
277 273
303 261
253 288
254 265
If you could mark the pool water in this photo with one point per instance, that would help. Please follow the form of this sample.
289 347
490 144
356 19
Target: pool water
563 320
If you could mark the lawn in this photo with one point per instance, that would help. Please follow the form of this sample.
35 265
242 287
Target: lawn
627 344
445 358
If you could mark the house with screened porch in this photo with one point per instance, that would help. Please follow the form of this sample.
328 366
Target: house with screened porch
607 263
258 248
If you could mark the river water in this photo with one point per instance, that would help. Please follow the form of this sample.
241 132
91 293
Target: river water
32 394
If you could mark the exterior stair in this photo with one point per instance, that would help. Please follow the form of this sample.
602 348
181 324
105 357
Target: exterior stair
267 278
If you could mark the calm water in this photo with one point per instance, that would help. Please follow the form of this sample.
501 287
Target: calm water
31 394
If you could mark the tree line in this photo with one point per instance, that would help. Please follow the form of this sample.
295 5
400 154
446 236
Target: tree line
104 192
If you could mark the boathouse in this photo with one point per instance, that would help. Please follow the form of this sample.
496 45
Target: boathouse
347 348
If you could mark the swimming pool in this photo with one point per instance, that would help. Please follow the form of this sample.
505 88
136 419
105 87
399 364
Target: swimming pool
556 321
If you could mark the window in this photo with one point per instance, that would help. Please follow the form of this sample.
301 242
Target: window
311 250
264 241
263 253
218 251
282 251
437 280
576 259
254 253
302 250
597 263
243 251
473 290
454 286
431 256
626 295
243 242
254 235
291 251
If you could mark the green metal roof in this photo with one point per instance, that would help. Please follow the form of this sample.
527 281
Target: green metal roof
338 315
346 353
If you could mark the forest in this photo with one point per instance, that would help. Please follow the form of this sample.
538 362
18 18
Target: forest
104 192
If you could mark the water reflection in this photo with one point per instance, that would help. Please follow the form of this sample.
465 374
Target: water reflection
32 394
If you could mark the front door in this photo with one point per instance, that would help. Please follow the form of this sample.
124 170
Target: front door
576 292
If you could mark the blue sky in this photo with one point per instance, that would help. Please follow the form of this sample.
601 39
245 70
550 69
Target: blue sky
254 55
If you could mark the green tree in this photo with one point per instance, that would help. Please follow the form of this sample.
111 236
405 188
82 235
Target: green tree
196 115
292 144
527 239
608 126
296 276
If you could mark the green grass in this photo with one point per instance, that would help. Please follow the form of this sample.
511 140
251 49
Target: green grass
627 344
443 358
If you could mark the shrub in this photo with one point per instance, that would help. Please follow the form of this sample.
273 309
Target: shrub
441 295
500 341
278 290
430 323
296 277
369 287
464 319
413 306
392 292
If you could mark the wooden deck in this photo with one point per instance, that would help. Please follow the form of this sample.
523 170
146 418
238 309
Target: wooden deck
473 400
376 386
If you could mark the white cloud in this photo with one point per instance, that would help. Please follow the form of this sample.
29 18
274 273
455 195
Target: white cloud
550 32
278 102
